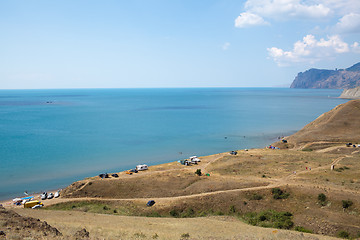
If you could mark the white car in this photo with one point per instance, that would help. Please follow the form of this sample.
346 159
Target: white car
194 159
50 196
37 206
57 194
43 196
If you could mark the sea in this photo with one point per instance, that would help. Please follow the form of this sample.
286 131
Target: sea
51 138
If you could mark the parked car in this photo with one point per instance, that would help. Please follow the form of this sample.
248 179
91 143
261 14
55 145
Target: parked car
114 175
37 206
44 196
57 194
194 159
150 203
50 196
133 170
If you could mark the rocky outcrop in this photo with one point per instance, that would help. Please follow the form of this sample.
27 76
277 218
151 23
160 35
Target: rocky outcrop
353 93
332 79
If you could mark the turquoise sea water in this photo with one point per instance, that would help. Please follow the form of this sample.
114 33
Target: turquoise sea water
50 138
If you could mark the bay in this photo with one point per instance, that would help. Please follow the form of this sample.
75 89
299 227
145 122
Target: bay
51 138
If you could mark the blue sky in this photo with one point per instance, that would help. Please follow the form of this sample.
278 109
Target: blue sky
203 43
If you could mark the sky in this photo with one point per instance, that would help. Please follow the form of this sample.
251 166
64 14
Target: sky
173 43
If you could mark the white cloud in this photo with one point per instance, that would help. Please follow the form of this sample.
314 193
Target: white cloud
350 23
226 46
247 19
356 47
342 7
285 9
310 50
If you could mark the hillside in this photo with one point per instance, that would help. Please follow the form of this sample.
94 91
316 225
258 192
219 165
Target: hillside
340 125
353 93
332 79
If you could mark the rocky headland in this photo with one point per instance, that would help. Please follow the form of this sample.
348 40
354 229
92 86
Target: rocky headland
329 79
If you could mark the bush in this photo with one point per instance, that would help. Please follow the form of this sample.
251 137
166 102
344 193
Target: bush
343 234
279 194
139 235
346 203
322 197
188 213
198 172
185 236
232 209
302 229
174 213
270 218
153 214
256 197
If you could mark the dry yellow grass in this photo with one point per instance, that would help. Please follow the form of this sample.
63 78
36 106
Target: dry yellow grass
102 226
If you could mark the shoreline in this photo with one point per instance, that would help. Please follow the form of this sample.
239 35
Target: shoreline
121 153
271 137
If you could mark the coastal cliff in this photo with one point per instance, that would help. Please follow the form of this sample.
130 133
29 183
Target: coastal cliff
330 79
353 93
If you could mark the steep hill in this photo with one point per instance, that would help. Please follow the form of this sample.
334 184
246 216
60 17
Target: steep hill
334 79
353 93
340 125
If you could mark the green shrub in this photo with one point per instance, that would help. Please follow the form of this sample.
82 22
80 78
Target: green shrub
307 150
322 198
174 213
232 209
346 203
270 218
153 214
185 236
198 172
219 213
256 196
279 194
343 234
188 213
302 229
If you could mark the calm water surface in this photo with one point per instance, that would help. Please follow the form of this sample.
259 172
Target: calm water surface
50 138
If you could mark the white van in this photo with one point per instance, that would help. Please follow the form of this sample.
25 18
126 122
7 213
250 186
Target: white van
141 167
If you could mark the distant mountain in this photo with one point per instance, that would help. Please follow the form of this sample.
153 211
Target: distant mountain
334 79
